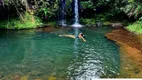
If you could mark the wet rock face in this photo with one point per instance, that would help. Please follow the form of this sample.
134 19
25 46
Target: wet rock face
1 2
99 24
117 25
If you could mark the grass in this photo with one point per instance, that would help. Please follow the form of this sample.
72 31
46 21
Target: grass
135 27
28 22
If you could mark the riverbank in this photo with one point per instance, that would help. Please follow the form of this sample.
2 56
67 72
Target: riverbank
131 52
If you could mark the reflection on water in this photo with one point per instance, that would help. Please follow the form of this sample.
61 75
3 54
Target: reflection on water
45 54
98 57
76 41
86 68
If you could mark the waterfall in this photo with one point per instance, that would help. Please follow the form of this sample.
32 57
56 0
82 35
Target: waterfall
62 13
76 12
76 15
1 3
62 5
76 26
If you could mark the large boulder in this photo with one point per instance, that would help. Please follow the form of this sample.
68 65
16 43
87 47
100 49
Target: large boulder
117 25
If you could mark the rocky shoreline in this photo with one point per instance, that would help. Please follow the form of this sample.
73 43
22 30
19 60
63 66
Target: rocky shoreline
130 52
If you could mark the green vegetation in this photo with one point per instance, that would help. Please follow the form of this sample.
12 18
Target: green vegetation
28 21
88 21
31 13
134 9
135 27
25 14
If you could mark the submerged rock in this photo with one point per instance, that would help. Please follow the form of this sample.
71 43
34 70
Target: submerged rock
115 24
131 53
99 24
52 78
1 75
38 79
35 73
26 77
16 77
124 37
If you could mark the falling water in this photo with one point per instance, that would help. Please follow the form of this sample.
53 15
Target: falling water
1 3
76 13
62 5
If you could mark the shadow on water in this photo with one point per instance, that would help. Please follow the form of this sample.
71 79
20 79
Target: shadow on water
44 54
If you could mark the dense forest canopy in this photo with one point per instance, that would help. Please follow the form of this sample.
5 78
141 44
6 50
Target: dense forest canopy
133 8
49 9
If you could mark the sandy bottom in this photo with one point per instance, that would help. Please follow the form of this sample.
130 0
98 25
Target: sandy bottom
131 52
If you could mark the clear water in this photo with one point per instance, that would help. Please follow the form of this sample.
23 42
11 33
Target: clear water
44 53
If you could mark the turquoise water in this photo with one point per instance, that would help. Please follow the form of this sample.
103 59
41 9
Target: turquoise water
43 54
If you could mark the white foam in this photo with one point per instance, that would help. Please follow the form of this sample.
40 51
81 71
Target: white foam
77 25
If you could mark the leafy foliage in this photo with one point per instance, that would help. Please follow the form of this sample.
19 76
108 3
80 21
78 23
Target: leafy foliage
28 22
48 9
133 8
87 5
135 27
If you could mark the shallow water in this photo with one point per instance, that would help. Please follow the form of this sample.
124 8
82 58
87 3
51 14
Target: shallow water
43 54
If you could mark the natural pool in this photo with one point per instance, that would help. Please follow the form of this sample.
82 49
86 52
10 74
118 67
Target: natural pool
41 54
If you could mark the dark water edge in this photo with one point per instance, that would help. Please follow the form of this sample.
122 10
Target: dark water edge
42 54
